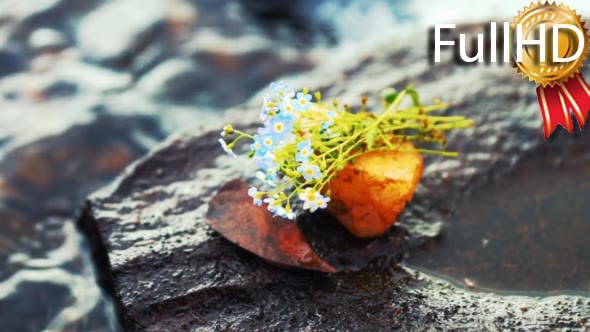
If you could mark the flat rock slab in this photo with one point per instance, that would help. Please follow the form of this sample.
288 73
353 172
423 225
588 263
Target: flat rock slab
169 272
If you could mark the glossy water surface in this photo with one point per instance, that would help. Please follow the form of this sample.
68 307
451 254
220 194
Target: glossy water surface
529 231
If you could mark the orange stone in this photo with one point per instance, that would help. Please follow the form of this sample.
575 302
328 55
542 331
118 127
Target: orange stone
369 194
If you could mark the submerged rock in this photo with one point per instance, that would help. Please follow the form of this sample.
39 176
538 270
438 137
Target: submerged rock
46 276
114 31
11 63
240 66
167 270
47 40
173 80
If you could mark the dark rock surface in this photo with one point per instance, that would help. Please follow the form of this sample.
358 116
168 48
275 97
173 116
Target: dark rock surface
127 33
10 63
86 87
169 272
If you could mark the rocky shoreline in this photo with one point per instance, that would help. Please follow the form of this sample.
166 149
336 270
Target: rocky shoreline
168 271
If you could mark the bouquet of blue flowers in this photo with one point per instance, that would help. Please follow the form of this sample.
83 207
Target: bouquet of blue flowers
304 142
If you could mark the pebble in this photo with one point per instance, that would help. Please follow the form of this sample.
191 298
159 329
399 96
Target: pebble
469 283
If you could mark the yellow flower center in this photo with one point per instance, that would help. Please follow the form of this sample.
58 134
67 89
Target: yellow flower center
309 171
279 127
304 152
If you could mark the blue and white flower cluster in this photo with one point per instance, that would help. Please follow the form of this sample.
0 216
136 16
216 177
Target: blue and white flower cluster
282 154
303 145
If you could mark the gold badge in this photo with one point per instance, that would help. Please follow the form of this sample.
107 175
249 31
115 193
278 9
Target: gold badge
549 73
551 47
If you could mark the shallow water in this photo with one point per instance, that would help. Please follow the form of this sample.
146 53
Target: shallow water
527 232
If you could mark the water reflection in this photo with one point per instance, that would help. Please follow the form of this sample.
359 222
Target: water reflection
47 277
527 231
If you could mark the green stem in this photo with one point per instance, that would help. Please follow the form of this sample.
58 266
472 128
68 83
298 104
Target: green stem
243 134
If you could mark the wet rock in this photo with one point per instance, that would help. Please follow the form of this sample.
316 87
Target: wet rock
174 80
168 270
274 7
151 223
20 20
58 76
93 78
521 225
10 62
73 121
113 33
301 17
181 16
63 300
153 55
26 10
47 40
44 175
239 66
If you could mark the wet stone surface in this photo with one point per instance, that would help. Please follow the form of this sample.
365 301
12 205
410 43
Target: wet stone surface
86 87
540 206
168 271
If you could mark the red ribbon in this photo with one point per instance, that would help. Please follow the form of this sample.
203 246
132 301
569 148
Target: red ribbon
557 101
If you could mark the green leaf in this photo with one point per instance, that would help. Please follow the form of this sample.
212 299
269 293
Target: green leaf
389 95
